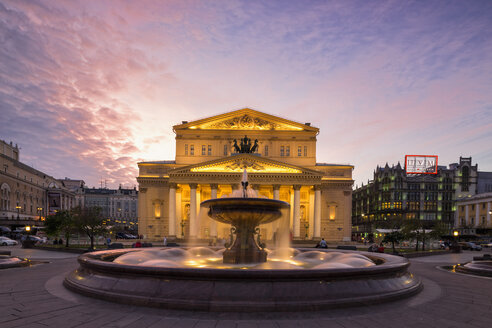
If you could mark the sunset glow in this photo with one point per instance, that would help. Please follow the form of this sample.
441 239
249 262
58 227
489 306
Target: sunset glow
90 88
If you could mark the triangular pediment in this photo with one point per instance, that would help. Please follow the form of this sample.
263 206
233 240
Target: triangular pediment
252 163
245 119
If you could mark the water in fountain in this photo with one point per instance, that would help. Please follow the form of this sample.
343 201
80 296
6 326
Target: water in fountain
245 211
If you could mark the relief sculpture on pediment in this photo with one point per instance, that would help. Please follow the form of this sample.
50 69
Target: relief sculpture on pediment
246 122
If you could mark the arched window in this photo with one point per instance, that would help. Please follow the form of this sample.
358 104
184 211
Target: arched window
5 197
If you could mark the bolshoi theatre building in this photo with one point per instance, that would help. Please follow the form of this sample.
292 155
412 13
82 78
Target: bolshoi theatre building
211 155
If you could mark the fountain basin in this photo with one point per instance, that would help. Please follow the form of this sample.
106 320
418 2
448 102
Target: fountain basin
240 290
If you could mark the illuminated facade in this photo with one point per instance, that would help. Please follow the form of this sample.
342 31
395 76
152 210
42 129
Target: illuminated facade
396 195
208 165
474 215
26 194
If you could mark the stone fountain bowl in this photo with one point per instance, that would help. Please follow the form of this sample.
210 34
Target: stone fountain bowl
236 210
237 290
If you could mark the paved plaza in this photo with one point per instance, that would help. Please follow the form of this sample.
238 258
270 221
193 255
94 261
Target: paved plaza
34 297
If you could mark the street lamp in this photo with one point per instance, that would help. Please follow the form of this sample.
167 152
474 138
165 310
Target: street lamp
18 209
40 209
182 228
306 226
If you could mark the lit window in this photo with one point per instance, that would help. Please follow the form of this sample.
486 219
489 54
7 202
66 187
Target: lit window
282 151
204 150
287 151
192 150
209 150
299 151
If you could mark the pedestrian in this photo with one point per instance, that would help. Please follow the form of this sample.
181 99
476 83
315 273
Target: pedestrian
323 244
165 241
381 248
108 241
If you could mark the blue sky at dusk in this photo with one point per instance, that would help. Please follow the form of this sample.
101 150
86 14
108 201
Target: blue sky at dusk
89 88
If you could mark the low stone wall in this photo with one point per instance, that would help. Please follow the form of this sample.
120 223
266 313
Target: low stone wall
61 249
430 253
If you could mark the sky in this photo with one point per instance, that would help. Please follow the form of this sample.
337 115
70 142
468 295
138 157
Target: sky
90 88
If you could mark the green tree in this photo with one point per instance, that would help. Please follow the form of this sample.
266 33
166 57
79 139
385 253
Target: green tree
411 230
60 223
89 220
393 237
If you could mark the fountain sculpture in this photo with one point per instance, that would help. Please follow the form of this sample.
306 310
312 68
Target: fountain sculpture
245 276
244 214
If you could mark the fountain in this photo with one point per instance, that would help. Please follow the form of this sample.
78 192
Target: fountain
245 276
244 214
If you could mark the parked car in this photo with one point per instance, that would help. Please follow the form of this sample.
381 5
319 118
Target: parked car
124 235
4 241
471 246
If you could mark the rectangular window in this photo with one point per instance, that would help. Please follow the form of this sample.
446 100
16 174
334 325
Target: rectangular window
204 150
299 151
287 151
266 151
282 151
192 150
186 149
305 151
225 150
209 150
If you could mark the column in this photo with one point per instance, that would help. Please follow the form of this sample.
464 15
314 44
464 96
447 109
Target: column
213 223
193 209
489 212
311 215
467 219
477 215
256 189
276 195
179 212
317 211
276 192
172 210
297 211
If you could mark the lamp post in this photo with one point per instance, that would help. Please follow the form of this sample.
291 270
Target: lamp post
182 224
306 226
18 210
40 209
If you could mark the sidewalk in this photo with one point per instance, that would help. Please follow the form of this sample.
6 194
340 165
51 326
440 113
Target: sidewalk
35 297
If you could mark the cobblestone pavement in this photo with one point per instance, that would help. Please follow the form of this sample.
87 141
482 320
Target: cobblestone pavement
34 297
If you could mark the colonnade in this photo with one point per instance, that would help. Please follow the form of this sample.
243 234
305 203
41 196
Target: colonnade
195 206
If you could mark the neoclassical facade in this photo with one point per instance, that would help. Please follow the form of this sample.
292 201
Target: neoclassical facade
281 164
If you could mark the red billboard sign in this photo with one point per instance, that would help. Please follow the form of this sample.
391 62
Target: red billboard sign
421 164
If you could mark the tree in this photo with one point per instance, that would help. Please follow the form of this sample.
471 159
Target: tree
89 220
411 230
439 230
60 223
393 237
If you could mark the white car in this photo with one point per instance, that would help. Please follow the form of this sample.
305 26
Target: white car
4 241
